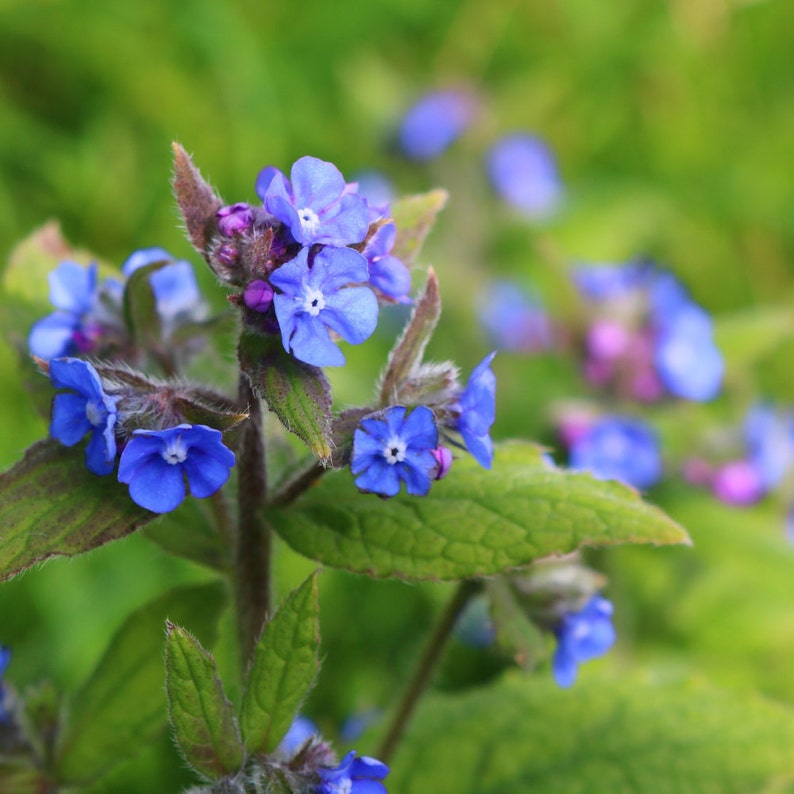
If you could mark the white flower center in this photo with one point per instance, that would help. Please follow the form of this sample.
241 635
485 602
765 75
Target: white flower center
394 451
313 301
175 452
344 786
309 220
94 413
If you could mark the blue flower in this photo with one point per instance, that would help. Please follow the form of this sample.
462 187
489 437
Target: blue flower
317 205
390 448
299 732
5 658
353 776
84 408
315 298
175 288
582 636
523 171
155 463
73 292
387 274
687 361
434 122
477 412
619 449
769 436
513 320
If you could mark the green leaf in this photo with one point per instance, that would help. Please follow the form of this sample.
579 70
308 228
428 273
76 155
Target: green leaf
472 523
51 505
297 393
188 532
201 716
283 670
631 737
414 217
140 307
121 706
407 353
18 779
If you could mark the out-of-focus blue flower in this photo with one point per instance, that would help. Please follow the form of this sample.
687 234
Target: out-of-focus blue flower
73 292
317 205
355 725
300 731
668 297
582 636
604 282
434 122
82 409
391 448
477 406
5 658
619 449
175 288
353 776
155 463
387 273
377 189
769 436
688 362
315 297
523 172
513 320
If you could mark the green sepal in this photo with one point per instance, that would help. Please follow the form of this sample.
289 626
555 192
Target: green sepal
516 635
473 523
201 716
283 670
140 307
51 505
121 707
414 217
297 393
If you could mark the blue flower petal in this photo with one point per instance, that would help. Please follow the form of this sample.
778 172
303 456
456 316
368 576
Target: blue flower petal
69 422
352 313
53 335
334 268
100 454
73 287
158 486
144 257
315 183
205 472
78 375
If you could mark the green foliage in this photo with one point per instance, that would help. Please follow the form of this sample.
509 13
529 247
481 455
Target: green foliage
470 524
51 505
296 392
636 735
414 217
283 670
201 716
121 706
140 308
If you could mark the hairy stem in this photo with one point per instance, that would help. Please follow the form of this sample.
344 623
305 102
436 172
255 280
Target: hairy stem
423 673
253 549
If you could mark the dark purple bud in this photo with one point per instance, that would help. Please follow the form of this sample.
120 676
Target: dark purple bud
227 255
737 483
235 219
258 296
443 456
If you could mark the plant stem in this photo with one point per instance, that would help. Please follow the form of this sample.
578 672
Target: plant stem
253 549
423 673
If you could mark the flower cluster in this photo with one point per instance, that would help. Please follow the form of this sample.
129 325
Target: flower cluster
392 447
89 314
313 261
647 337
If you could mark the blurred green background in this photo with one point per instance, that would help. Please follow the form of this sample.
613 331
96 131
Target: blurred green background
673 125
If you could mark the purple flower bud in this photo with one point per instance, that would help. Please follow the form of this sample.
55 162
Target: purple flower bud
737 483
443 456
607 339
235 219
227 255
258 296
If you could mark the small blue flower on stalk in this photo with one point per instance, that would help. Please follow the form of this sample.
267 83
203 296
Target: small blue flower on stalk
315 297
477 412
73 292
582 636
434 122
523 172
392 448
84 408
387 273
155 463
317 205
619 449
353 776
